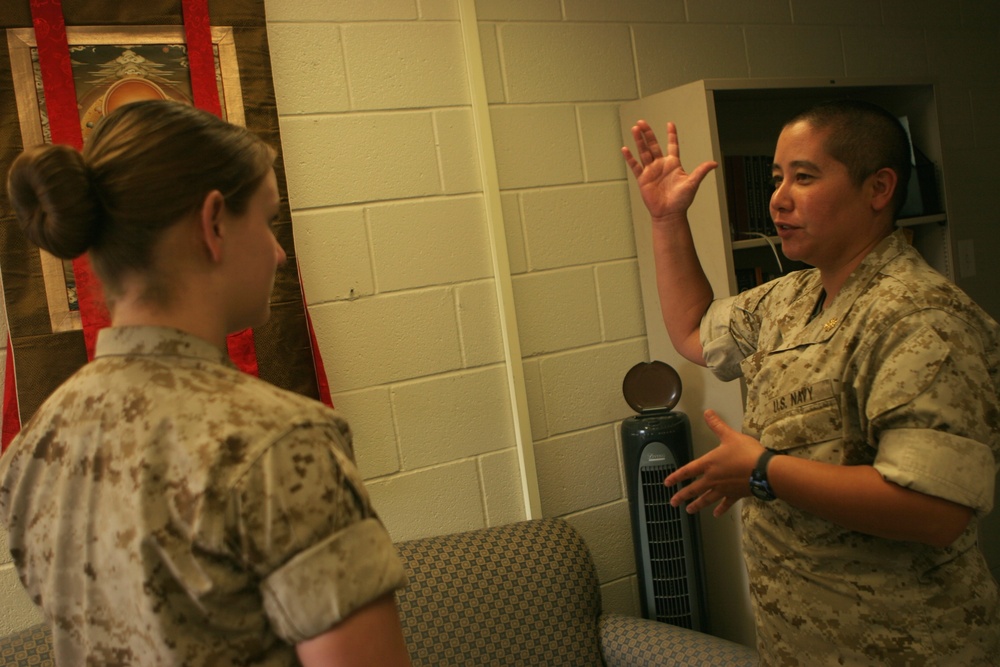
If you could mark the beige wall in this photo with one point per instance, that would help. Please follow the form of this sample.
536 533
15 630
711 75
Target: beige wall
395 248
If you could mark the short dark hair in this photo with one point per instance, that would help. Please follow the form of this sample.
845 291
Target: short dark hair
864 137
146 166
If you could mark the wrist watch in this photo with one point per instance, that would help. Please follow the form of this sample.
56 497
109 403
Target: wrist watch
759 486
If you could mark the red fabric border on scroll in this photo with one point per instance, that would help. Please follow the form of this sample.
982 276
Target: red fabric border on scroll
64 126
201 58
11 415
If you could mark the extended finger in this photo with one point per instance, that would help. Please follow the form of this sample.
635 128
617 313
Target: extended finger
723 507
673 145
646 141
701 171
683 473
714 422
701 502
632 163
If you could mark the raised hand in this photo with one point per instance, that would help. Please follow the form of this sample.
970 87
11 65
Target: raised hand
723 475
667 189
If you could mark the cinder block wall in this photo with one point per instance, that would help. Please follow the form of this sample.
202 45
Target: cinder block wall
380 149
389 214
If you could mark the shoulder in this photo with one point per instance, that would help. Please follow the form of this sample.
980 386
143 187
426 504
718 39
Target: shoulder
907 294
253 416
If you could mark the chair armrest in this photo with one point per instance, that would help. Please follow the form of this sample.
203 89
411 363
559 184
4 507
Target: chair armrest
30 646
639 642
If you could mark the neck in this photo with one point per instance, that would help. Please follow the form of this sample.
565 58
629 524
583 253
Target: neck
191 315
834 277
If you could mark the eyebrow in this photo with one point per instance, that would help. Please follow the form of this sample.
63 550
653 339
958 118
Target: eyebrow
797 163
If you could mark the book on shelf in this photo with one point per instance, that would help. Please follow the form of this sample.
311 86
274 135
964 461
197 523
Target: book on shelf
748 195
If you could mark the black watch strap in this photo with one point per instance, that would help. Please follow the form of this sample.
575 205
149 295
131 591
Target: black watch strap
760 487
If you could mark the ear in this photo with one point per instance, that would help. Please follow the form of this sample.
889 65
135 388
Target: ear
883 183
211 223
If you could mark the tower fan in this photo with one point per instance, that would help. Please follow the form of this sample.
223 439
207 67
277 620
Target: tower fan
655 443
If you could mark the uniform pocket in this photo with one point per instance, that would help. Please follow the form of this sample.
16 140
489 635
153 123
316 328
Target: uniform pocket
805 415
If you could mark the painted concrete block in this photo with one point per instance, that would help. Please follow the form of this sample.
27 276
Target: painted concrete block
382 339
518 10
479 323
535 399
455 131
405 65
332 249
964 57
602 138
556 310
335 160
339 10
578 470
574 69
429 242
577 225
369 412
435 501
501 480
935 14
536 145
621 597
453 416
438 10
817 51
513 232
687 60
843 12
492 71
608 533
621 300
739 11
313 76
884 52
655 11
582 388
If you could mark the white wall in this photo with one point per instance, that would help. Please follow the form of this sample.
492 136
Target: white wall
390 220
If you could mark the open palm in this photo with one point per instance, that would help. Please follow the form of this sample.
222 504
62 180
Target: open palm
665 187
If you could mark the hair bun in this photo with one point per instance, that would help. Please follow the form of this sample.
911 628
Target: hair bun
52 195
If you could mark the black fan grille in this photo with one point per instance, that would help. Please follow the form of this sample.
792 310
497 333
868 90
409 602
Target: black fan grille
667 552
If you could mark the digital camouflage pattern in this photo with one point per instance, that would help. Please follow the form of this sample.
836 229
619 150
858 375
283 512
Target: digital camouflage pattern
165 508
902 372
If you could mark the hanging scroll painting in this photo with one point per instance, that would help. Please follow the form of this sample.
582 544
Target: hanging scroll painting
111 67
119 53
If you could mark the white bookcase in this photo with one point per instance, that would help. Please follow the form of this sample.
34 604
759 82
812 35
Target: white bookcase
720 117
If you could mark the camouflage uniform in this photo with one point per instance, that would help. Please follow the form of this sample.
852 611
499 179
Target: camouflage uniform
166 509
901 372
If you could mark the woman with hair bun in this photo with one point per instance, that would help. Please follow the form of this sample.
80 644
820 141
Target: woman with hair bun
164 508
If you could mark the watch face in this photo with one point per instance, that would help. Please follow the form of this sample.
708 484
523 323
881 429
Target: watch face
761 490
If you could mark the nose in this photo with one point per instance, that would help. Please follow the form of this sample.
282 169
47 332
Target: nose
279 253
780 198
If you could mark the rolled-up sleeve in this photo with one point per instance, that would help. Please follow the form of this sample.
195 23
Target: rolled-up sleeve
325 584
932 409
304 523
721 352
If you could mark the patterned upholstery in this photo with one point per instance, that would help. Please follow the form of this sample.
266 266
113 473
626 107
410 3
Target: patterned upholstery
32 646
521 594
638 642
